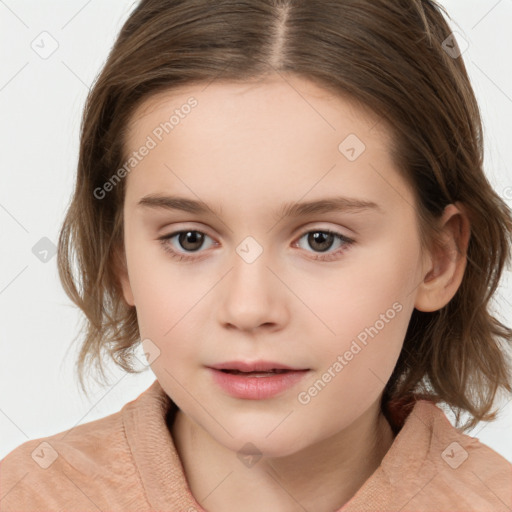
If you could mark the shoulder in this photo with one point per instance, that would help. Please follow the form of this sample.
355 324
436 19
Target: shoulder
75 469
445 468
472 472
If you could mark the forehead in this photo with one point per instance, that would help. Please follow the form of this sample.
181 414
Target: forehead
261 139
304 97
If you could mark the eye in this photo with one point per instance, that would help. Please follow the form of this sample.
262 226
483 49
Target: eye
322 240
192 241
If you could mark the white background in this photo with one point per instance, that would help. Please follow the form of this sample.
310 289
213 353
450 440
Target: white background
40 103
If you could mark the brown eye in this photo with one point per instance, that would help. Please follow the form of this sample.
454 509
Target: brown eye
320 240
186 244
191 240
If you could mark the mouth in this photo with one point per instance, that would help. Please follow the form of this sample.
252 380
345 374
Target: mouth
274 371
258 380
254 367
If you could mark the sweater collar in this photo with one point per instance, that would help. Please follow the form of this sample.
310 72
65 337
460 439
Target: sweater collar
147 420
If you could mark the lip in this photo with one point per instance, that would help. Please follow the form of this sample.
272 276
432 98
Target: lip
253 366
250 387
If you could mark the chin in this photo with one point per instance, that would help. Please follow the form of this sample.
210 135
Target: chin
254 442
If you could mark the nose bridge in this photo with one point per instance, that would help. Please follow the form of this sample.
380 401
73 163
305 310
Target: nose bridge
250 275
253 295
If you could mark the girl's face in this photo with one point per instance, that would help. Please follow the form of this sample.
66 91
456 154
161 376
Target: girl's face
250 283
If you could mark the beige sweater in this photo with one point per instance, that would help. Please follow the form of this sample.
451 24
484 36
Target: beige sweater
128 462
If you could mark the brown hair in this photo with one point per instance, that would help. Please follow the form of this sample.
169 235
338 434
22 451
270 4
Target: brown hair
390 56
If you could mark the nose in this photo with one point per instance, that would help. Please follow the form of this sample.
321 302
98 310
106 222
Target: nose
253 297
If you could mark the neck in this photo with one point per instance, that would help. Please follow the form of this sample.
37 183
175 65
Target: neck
321 477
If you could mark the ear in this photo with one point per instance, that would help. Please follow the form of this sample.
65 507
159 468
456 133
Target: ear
447 261
121 272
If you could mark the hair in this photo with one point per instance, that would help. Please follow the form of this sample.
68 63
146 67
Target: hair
389 56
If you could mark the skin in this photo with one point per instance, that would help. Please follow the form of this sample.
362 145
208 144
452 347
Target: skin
250 148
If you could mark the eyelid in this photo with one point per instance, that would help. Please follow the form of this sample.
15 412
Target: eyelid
317 226
300 230
180 227
347 241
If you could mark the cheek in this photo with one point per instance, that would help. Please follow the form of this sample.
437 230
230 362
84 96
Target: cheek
158 296
369 317
367 307
169 299
373 286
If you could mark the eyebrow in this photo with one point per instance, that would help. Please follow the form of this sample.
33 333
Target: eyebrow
325 205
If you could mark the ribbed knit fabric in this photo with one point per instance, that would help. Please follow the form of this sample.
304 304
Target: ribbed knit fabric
128 462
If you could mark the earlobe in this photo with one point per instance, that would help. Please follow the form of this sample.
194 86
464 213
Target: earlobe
121 271
127 290
448 261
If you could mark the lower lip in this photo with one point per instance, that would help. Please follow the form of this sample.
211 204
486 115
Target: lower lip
256 388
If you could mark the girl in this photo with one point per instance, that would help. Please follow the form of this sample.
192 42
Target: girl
284 202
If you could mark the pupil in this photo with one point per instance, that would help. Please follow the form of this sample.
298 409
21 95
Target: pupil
320 238
190 237
323 240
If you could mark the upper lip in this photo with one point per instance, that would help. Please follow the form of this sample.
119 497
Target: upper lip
253 366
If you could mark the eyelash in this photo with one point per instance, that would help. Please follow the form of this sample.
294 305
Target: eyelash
347 243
